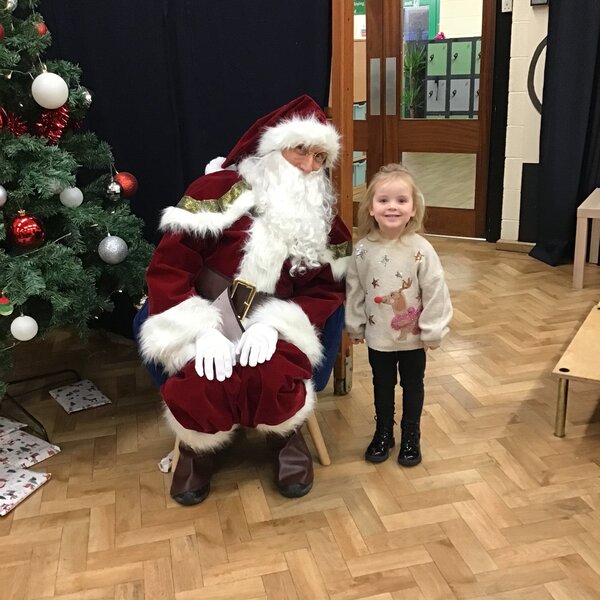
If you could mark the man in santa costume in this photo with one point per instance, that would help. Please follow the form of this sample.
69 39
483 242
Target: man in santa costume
250 267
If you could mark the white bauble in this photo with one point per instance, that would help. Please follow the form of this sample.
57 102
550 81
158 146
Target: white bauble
71 197
3 195
24 328
113 249
49 90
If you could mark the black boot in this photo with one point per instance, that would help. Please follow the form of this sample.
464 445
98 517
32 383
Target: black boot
410 444
383 440
293 465
191 479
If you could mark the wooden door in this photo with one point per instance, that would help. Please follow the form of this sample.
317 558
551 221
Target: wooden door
429 104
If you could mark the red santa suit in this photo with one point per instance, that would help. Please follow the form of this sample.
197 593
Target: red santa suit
220 225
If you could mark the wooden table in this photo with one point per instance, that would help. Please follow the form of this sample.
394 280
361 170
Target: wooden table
589 209
580 362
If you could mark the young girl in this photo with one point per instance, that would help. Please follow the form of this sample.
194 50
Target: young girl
397 300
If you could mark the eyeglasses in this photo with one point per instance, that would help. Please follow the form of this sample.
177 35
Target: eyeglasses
302 151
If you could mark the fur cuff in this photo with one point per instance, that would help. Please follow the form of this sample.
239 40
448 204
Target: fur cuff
292 325
197 440
169 337
178 220
339 266
299 418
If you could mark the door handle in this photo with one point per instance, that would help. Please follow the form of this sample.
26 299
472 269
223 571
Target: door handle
375 92
390 85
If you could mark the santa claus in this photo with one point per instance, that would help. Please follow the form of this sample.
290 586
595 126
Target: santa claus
250 267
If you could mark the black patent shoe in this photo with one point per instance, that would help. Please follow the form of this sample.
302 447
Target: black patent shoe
410 445
379 448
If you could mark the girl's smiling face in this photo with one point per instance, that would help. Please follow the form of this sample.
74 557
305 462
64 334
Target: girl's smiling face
392 207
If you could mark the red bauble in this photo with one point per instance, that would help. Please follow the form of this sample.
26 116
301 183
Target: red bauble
25 231
378 299
128 183
42 29
1 32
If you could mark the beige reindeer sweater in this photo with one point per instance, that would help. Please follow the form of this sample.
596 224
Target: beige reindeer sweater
396 294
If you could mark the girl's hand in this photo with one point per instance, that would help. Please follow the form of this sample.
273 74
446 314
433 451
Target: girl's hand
429 347
357 340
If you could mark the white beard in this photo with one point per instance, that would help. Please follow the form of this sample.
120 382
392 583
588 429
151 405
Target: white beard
294 213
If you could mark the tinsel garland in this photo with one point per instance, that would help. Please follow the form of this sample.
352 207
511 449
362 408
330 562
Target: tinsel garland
52 123
12 122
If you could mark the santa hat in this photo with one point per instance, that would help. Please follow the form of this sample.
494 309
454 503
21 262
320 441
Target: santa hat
301 122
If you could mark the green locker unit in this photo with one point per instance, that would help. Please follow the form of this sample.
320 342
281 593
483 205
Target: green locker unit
452 79
437 58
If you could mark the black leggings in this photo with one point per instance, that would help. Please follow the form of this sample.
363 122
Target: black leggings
411 367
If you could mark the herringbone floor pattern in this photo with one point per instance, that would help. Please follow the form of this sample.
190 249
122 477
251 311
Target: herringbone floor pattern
499 508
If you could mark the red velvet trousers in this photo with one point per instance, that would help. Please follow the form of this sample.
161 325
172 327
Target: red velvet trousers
267 394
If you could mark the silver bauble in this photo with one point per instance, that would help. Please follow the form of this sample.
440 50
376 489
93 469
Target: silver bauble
87 97
3 195
113 249
113 191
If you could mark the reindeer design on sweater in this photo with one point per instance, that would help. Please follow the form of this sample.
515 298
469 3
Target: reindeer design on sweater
406 318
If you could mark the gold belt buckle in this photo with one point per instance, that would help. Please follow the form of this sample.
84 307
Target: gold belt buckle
249 298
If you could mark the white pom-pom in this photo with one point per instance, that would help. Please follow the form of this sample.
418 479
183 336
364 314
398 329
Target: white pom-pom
216 164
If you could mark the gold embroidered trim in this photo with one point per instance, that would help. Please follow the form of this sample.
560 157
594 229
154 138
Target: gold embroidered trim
214 206
341 250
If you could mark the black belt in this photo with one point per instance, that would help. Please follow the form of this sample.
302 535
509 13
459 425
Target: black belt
244 297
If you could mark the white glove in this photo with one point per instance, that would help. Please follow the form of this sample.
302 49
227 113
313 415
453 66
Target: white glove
257 344
215 355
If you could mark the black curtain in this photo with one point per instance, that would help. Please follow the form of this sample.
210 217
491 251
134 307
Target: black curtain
570 129
176 82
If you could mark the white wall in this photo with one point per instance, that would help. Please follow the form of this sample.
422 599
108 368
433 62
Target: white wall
461 18
529 28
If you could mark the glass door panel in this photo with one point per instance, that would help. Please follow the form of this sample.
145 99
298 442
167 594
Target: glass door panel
441 50
446 180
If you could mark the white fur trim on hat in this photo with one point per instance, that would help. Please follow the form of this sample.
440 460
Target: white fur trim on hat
301 132
169 338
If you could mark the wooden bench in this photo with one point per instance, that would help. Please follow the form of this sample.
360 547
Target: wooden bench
580 362
589 209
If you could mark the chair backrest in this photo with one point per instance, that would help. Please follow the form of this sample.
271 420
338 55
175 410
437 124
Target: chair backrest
330 338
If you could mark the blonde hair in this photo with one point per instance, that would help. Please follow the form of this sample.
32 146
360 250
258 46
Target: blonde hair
367 224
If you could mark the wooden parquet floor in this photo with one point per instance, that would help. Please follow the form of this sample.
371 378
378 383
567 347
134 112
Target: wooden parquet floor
499 508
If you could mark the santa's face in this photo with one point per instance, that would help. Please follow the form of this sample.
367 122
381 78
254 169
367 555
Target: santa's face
306 158
294 205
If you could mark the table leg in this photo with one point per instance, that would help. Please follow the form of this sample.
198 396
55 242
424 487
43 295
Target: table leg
595 241
561 408
581 234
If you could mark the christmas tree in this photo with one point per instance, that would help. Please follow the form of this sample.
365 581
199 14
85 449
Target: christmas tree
69 240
